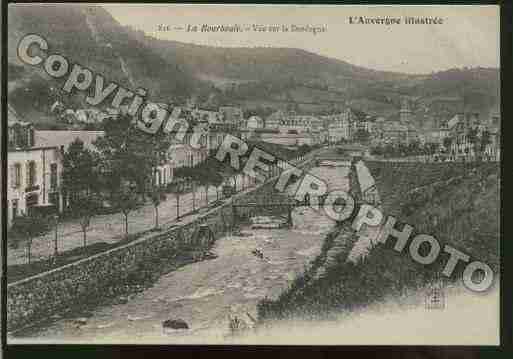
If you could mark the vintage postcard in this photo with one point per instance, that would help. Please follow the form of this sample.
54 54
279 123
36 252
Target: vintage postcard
253 174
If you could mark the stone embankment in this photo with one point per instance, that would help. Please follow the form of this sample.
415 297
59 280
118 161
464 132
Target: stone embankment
346 243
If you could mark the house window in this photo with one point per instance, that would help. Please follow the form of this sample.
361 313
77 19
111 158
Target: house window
53 176
31 174
16 175
15 206
31 200
12 137
31 137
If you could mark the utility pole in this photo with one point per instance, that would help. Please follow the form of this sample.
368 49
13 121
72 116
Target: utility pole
289 216
177 202
193 196
56 251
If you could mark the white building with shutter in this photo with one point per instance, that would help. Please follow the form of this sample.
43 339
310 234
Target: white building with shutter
34 172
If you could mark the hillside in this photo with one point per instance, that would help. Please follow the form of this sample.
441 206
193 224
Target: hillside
88 36
276 78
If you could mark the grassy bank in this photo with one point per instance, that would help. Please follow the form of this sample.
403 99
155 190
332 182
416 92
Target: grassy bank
456 203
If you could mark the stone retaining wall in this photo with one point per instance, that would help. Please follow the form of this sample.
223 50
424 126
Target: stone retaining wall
367 185
40 296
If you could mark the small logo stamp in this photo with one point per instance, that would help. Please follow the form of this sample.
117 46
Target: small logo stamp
435 296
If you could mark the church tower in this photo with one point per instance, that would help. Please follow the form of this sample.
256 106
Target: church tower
405 112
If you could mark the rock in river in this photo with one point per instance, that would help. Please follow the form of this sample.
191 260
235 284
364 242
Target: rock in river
175 324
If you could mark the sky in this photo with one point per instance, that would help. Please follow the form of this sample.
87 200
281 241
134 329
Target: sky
468 37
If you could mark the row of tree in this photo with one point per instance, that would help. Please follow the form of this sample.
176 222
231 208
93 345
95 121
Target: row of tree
121 170
478 141
413 148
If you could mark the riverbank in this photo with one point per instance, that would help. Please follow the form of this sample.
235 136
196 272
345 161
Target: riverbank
457 204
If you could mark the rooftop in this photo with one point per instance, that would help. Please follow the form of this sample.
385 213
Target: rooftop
64 138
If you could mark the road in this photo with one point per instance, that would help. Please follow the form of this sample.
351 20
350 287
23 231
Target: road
110 228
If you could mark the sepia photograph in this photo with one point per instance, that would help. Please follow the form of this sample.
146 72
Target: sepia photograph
252 174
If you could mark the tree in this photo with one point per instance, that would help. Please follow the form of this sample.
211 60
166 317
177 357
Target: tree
304 149
388 150
485 140
126 201
85 209
402 148
377 150
216 181
430 148
79 175
29 227
207 176
362 135
413 148
130 155
447 143
157 196
473 138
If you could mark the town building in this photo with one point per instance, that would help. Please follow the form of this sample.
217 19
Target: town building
254 122
206 116
232 115
273 120
339 128
393 132
184 155
300 123
216 134
64 138
33 172
319 136
436 135
469 137
364 124
405 113
493 148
